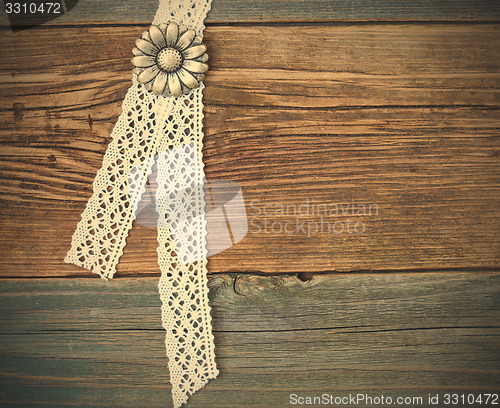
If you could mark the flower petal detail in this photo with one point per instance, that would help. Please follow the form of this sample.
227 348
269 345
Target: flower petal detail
163 28
187 78
195 66
157 36
143 61
194 52
148 74
160 83
203 58
172 34
186 40
146 47
174 85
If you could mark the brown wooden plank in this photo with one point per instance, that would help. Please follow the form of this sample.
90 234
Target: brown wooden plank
87 342
396 116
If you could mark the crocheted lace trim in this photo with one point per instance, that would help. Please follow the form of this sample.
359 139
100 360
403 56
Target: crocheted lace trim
169 131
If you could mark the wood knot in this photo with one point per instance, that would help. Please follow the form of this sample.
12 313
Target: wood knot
305 276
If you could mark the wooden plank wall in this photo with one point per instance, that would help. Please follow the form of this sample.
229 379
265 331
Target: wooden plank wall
88 343
335 103
403 117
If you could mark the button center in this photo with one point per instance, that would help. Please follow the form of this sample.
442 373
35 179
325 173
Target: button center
169 60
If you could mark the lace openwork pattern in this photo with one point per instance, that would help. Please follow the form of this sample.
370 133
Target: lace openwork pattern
100 236
192 13
168 131
180 203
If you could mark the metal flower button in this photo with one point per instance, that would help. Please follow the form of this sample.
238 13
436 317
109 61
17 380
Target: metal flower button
170 59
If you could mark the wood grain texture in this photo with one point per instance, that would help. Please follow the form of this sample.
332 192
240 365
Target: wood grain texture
87 342
268 11
431 167
401 117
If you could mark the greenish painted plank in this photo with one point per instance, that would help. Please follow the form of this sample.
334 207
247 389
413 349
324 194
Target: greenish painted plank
231 11
90 343
37 305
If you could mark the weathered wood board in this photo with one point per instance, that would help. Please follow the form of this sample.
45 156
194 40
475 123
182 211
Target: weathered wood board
87 342
268 11
402 117
333 103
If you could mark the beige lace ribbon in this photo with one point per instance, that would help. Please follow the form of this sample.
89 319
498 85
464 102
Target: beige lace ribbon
167 130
